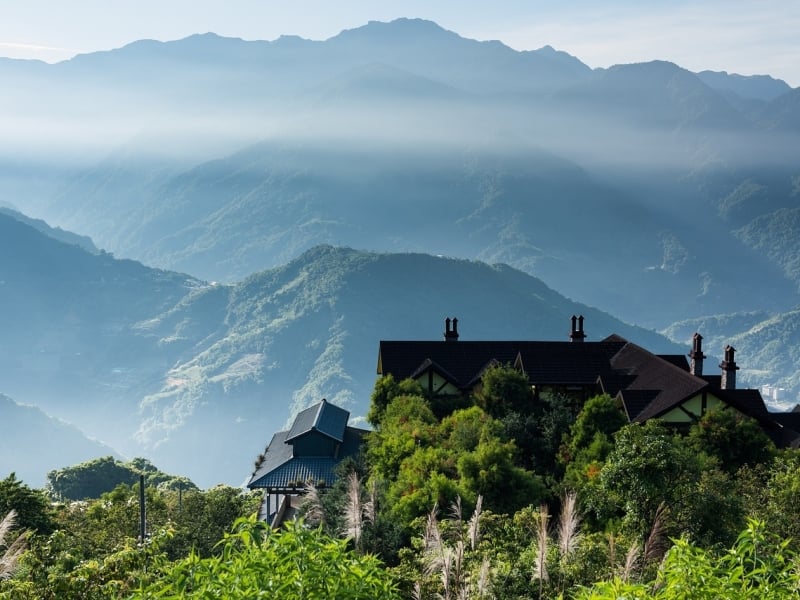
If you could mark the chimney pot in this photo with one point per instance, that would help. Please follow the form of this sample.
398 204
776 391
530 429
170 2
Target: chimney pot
729 369
696 355
577 334
450 334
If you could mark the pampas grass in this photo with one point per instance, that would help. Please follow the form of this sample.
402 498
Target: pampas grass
569 536
10 558
312 503
447 560
543 539
353 512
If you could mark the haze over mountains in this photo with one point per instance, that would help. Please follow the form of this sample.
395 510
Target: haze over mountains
655 194
198 376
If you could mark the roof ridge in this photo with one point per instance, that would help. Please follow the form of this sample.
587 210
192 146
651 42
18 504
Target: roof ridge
318 416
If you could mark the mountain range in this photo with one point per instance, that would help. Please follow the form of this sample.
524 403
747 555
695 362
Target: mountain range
475 180
199 375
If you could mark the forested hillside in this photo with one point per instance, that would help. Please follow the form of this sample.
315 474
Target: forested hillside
158 364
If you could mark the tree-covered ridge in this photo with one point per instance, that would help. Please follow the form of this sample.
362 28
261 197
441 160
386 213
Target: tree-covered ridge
153 363
769 341
92 479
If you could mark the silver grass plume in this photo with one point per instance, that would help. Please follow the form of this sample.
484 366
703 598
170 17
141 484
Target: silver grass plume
10 558
458 575
353 515
446 571
474 527
315 513
456 512
540 567
432 551
568 526
631 560
483 579
612 554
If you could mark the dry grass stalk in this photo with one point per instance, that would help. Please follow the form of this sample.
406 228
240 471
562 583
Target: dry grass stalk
416 592
483 579
631 560
456 513
540 567
312 503
446 571
569 526
353 516
10 558
474 526
656 544
433 547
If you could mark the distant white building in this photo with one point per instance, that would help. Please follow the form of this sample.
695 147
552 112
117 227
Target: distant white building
773 392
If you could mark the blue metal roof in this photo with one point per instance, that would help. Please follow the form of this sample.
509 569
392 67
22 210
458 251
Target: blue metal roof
323 417
281 470
295 473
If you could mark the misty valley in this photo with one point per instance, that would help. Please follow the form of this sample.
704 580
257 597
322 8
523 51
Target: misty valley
446 302
203 237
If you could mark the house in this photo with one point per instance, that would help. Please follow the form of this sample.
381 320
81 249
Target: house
667 387
308 452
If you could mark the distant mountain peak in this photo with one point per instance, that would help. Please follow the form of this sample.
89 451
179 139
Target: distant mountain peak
401 28
757 87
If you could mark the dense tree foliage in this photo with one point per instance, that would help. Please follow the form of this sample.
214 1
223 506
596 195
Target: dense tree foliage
733 438
93 550
294 563
31 506
757 567
503 495
92 478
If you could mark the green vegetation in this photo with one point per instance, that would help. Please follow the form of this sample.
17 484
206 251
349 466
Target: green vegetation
447 504
93 478
293 564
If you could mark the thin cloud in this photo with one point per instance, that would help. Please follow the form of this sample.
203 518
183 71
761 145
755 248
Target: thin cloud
36 51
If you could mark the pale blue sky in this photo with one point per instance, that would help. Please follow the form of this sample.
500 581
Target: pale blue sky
742 36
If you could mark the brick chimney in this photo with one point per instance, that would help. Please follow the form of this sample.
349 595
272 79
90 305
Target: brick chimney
696 356
577 334
729 369
451 335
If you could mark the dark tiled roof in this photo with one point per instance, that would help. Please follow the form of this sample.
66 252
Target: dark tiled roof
679 360
323 417
652 374
635 401
790 421
464 362
649 385
747 401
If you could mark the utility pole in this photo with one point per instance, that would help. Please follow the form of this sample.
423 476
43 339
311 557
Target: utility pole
142 525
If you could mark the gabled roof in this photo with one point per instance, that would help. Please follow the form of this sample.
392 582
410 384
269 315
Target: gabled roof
668 384
280 470
429 365
324 417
